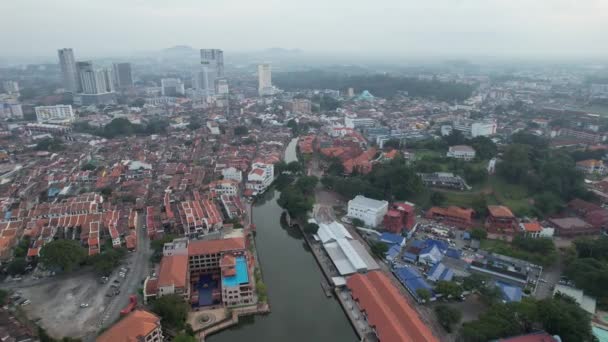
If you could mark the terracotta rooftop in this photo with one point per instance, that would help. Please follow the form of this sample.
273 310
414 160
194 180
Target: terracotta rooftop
173 271
532 227
387 310
500 211
132 328
201 247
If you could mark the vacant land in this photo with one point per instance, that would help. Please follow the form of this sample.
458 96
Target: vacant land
57 304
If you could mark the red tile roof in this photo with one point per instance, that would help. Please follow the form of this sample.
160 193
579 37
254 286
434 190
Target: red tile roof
387 310
202 247
532 227
173 271
132 328
500 211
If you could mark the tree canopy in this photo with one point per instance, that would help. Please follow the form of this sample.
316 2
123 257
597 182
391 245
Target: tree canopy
63 254
172 310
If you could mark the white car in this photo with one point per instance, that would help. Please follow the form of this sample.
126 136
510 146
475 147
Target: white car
84 305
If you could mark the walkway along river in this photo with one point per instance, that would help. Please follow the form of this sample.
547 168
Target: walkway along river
300 311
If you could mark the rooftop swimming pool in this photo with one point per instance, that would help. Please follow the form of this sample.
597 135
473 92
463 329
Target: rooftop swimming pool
240 277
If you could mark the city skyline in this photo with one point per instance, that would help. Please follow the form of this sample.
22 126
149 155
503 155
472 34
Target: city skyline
442 28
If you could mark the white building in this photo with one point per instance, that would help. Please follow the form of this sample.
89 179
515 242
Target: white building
483 129
471 128
10 110
68 69
55 114
265 80
172 87
368 210
347 254
233 173
214 127
225 187
354 123
260 177
10 87
463 152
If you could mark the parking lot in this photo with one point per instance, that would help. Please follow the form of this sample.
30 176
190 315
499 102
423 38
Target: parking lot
58 305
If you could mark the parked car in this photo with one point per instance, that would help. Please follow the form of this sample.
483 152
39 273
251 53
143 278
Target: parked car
84 305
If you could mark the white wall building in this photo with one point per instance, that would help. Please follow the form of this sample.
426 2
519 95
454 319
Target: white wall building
55 114
172 87
214 128
483 129
368 210
354 123
233 173
265 79
260 177
463 152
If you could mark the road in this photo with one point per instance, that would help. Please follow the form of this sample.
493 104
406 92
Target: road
138 263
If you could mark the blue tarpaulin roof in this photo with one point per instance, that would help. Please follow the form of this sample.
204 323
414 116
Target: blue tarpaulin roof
393 252
466 236
407 256
390 238
453 253
411 279
440 272
510 293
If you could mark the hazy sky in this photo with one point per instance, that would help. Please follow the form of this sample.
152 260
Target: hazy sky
364 27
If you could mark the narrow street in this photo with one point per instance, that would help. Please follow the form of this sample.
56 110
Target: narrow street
138 264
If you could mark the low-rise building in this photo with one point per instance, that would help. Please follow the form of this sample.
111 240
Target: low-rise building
500 220
446 180
399 216
453 216
591 166
139 325
462 152
572 226
536 230
368 210
232 173
386 310
55 114
260 177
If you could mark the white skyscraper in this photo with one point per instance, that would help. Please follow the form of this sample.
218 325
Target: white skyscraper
200 81
213 59
68 69
94 81
172 87
55 114
265 79
10 87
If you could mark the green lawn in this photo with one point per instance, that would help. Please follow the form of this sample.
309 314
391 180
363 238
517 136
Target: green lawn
505 248
515 197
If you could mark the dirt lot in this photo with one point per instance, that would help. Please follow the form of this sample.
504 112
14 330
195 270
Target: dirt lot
58 305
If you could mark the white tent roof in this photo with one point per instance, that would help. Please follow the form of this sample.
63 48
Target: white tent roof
330 232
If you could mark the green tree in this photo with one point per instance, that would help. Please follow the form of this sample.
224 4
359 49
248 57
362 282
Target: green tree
261 291
392 144
423 294
565 318
307 184
311 228
547 203
17 266
104 263
437 198
63 254
240 130
473 282
515 163
184 338
88 167
3 296
484 147
335 168
379 249
50 145
447 316
475 174
454 138
449 289
479 234
295 202
357 222
480 205
172 310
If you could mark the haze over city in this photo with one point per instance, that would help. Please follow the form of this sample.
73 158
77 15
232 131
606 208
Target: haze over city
379 29
304 171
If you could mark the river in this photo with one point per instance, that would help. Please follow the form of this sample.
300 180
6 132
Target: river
300 310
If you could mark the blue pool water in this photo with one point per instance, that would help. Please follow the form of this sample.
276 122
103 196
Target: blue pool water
241 276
